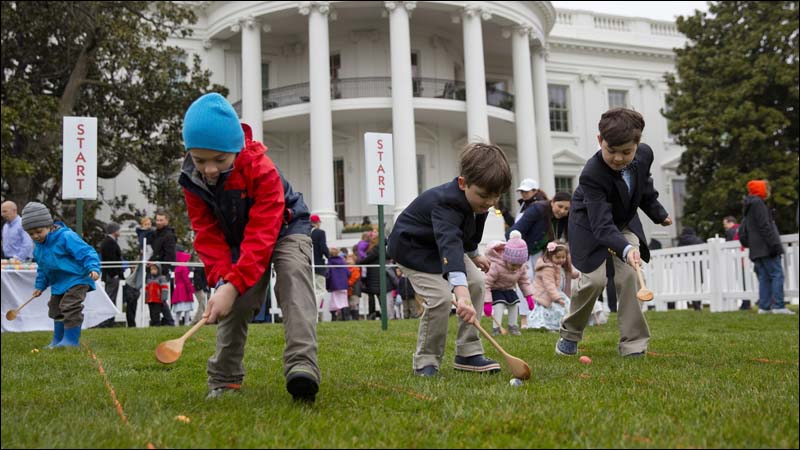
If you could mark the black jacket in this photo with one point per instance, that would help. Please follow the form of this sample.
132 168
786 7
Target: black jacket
601 207
763 238
320 249
372 284
435 231
110 251
689 237
164 241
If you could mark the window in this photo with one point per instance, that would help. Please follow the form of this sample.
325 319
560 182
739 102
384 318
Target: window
415 74
338 188
559 108
336 64
678 201
564 184
667 108
420 174
617 98
264 76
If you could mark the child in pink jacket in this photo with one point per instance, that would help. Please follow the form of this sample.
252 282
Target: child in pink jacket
508 269
552 282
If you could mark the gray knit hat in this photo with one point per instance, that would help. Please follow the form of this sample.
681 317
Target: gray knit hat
36 215
112 228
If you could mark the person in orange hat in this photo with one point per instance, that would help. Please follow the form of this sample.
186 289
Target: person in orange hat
760 233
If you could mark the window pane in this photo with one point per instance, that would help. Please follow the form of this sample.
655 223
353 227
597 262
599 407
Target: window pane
420 174
564 184
338 188
617 98
678 200
559 108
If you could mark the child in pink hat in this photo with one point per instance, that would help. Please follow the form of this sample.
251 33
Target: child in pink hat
508 270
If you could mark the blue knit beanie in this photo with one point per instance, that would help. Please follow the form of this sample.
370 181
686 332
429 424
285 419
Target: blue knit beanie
211 123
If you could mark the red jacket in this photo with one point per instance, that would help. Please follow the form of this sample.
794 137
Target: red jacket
237 226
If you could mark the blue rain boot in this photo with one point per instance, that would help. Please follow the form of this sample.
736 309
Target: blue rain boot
72 337
58 333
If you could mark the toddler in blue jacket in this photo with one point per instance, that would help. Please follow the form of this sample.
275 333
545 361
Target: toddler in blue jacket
67 265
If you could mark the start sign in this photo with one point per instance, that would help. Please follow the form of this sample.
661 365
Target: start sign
79 170
380 168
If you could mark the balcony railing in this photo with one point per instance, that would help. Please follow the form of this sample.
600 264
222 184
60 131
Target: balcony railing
380 87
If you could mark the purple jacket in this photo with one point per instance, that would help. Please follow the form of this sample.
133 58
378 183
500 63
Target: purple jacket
361 249
338 278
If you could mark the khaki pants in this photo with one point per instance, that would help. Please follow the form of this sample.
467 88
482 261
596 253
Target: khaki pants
295 295
68 307
634 333
437 300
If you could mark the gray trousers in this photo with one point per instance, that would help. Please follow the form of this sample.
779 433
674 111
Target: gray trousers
68 307
437 301
295 294
634 333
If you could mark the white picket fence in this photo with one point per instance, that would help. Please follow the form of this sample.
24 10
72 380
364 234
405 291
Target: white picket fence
718 273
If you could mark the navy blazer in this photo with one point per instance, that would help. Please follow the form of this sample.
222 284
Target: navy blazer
601 207
435 231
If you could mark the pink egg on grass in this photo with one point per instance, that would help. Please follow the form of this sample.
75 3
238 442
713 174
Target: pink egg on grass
585 360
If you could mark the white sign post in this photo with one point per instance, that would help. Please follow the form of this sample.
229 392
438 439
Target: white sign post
380 168
380 191
79 163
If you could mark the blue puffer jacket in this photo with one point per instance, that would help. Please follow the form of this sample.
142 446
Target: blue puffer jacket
64 260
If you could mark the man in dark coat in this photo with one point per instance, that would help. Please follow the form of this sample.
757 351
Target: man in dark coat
164 243
110 252
764 241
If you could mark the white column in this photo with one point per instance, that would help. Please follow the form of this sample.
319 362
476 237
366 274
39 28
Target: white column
547 181
475 73
403 136
524 118
252 109
321 128
214 60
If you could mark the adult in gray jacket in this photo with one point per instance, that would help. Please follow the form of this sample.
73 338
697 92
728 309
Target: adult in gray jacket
762 237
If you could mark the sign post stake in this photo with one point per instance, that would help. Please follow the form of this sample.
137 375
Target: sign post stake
380 191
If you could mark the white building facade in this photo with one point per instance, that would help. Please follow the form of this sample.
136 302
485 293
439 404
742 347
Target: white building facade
312 77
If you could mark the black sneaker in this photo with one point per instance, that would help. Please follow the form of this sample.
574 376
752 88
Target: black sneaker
427 371
477 363
303 386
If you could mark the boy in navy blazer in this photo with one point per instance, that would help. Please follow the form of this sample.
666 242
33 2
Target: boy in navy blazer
603 220
435 242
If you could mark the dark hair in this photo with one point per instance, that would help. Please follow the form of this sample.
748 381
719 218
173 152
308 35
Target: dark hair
562 196
486 165
621 125
729 219
162 212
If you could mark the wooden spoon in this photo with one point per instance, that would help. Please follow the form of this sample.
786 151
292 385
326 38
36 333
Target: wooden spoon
518 367
644 294
168 352
11 315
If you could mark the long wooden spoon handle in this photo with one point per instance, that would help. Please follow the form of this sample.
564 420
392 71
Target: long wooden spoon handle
486 335
639 273
192 330
23 305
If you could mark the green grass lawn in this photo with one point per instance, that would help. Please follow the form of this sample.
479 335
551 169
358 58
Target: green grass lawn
710 380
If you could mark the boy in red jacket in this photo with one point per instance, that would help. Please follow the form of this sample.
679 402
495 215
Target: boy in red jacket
240 206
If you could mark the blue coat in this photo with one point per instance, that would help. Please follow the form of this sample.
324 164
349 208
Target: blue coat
601 207
435 231
64 260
